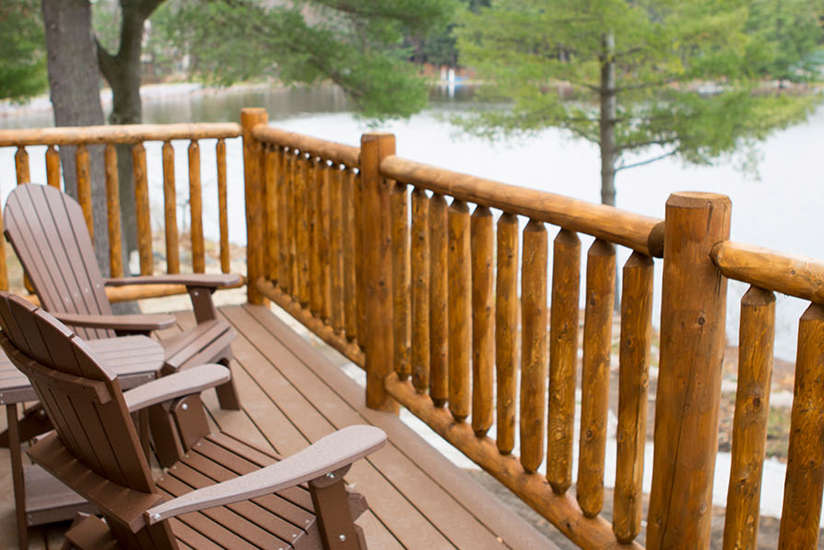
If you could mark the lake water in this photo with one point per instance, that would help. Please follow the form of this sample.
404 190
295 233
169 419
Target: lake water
781 211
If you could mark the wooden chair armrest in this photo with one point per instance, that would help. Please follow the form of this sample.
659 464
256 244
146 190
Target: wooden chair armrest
323 457
194 380
139 323
201 280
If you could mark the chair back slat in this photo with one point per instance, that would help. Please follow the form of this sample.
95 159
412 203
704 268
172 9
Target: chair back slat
49 234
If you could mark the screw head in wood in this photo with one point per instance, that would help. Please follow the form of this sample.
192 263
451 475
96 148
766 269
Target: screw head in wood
185 406
342 537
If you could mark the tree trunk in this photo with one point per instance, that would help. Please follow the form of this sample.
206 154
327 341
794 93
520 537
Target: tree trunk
609 150
75 96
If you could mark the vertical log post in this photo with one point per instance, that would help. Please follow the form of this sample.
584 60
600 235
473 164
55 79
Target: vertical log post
420 290
533 345
304 206
141 199
350 261
253 185
563 358
312 195
752 406
222 206
378 269
271 212
292 171
636 336
282 193
460 309
113 212
4 274
336 229
53 167
483 317
84 186
438 312
693 306
170 209
506 330
322 179
358 198
400 277
21 165
196 209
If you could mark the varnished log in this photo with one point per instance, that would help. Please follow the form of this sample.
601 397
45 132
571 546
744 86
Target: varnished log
804 481
313 214
113 212
377 235
689 384
141 199
600 298
222 206
294 221
84 186
336 229
4 274
399 197
53 167
506 330
438 312
350 280
21 165
533 345
752 406
126 133
638 232
196 209
283 213
170 209
335 152
636 336
303 228
459 294
322 175
253 186
483 318
360 256
270 174
420 267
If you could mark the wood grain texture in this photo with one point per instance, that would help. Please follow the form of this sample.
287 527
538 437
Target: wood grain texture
125 133
805 458
438 308
401 297
84 186
533 345
314 215
303 227
53 167
335 152
254 190
420 266
506 331
170 209
360 254
113 212
756 336
4 275
270 175
563 358
633 381
600 299
322 177
350 261
222 206
294 220
336 229
196 210
693 308
21 165
141 200
483 320
283 213
459 292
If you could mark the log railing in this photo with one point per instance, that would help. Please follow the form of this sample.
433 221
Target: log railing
80 139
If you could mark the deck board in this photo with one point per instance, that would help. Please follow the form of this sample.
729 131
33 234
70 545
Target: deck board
292 394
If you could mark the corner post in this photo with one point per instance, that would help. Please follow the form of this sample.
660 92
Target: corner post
377 269
693 308
253 183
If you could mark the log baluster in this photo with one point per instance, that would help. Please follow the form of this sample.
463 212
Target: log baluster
636 336
313 208
303 228
113 211
323 244
483 318
438 319
84 186
336 228
563 358
460 309
4 274
350 260
222 206
804 480
360 256
399 197
752 406
284 215
196 209
21 165
53 167
420 267
506 330
270 175
141 199
170 209
294 221
533 345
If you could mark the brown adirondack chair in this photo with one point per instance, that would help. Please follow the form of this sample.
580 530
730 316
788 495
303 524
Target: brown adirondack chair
47 229
243 497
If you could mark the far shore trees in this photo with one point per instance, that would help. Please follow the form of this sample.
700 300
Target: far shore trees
643 80
22 55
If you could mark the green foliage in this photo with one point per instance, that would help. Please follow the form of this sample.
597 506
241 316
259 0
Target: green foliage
357 44
22 49
691 76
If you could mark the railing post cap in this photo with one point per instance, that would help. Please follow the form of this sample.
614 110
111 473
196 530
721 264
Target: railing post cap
253 115
697 199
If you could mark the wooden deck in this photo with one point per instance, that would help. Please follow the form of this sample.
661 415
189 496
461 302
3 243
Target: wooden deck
292 394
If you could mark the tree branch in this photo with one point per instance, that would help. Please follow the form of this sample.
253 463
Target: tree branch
648 161
106 61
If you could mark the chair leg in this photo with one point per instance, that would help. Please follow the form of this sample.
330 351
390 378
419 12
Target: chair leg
17 476
331 501
165 435
227 395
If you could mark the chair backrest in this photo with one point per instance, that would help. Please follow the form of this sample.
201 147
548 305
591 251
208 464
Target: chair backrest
86 405
47 229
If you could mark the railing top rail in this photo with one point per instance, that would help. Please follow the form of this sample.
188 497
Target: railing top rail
640 233
128 133
329 150
797 276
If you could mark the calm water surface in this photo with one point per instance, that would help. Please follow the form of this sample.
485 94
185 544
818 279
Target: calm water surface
782 211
